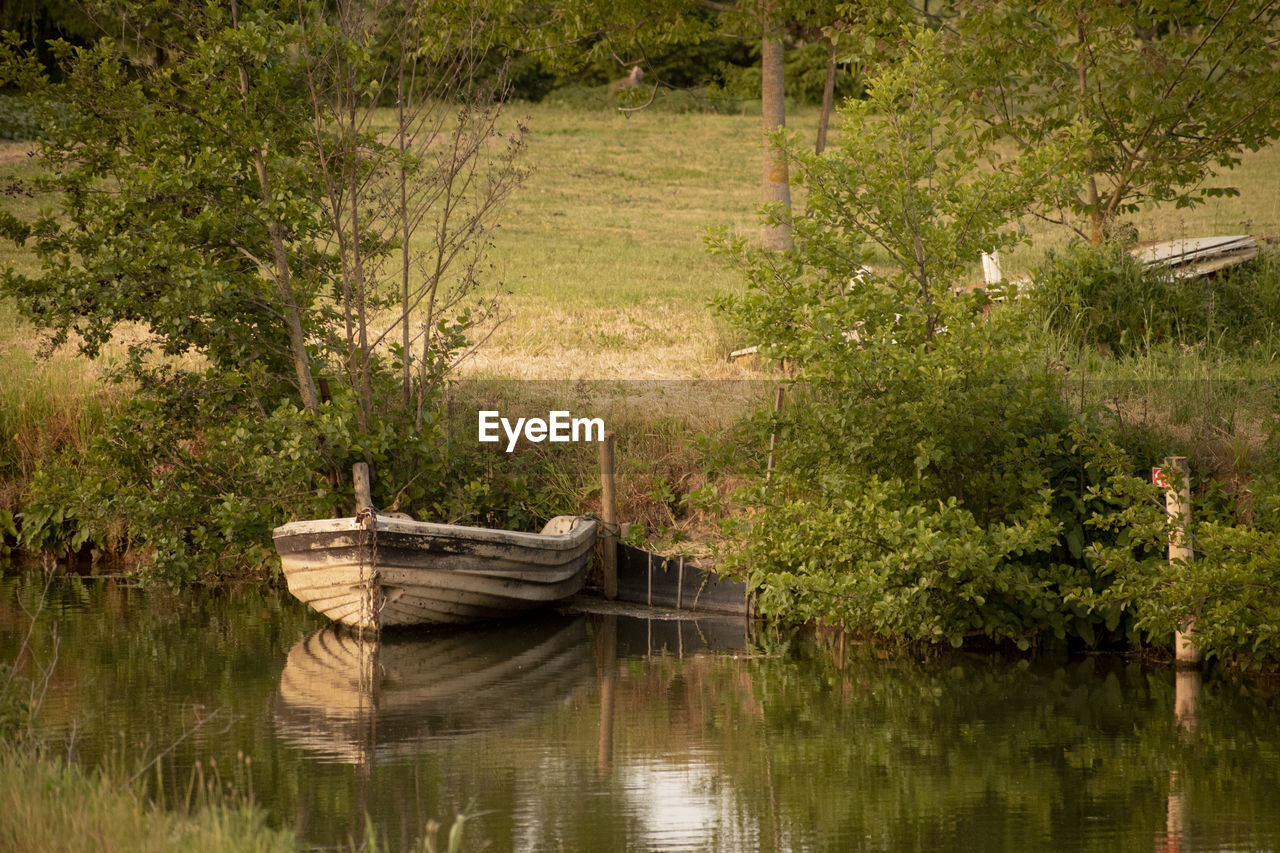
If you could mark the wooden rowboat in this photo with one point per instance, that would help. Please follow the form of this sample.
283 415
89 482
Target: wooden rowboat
374 570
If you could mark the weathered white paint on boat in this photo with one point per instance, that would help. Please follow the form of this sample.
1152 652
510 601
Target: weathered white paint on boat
375 571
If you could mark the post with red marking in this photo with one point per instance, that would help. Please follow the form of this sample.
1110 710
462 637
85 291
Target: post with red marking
1175 478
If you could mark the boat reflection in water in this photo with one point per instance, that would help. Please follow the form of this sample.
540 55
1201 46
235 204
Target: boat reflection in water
356 701
516 721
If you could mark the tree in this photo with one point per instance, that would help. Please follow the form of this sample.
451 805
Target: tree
169 213
228 207
930 482
444 170
1170 91
37 22
223 197
773 112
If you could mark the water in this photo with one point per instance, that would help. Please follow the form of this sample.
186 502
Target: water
614 732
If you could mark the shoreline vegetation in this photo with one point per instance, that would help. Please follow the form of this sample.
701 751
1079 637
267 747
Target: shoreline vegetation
611 290
953 464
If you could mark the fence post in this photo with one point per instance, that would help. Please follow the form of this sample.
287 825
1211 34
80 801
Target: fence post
1176 479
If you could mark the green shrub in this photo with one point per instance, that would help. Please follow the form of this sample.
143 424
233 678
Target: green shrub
1229 591
931 483
1103 297
191 475
957 497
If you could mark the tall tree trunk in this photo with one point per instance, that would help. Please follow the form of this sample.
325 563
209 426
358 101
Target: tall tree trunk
359 285
828 98
777 189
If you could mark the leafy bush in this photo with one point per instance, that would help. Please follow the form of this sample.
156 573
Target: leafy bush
191 476
1101 296
1228 593
956 498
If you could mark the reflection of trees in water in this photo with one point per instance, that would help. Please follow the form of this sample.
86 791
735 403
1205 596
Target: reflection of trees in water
138 670
921 754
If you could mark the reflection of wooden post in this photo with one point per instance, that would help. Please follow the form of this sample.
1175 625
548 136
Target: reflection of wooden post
607 672
1186 698
1177 498
1186 710
609 515
1174 820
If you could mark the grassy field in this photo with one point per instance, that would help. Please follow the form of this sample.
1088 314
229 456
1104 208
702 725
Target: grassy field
601 251
602 248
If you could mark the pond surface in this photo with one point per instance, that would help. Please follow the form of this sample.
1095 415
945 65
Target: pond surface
616 732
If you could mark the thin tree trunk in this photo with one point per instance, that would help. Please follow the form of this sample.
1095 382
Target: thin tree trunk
1096 217
282 273
828 98
284 287
406 232
776 189
359 286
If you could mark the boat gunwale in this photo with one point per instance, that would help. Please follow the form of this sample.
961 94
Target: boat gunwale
443 532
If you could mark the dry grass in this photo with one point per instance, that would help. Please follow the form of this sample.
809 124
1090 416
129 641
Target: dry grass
602 249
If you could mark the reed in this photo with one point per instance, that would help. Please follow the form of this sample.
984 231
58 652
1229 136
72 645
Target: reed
47 406
49 804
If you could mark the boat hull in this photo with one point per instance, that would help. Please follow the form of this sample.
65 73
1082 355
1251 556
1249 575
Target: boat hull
378 571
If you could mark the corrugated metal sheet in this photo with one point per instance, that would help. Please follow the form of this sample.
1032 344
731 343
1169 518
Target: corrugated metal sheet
1196 256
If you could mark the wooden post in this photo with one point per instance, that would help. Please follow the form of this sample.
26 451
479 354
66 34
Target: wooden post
360 477
609 517
1176 476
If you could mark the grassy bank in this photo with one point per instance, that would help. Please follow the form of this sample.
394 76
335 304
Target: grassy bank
48 804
